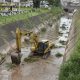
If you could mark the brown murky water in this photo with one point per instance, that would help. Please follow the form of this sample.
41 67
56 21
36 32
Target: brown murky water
41 70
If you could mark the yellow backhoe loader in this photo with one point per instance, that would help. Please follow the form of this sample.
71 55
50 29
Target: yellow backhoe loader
39 48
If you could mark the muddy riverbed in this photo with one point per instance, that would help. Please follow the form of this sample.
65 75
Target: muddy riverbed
40 70
43 69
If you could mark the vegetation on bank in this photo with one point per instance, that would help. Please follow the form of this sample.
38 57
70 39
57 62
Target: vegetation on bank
58 55
29 12
32 59
56 11
70 70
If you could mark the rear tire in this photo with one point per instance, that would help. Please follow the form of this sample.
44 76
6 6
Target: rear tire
46 55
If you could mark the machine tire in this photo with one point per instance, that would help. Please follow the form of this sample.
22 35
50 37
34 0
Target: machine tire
46 55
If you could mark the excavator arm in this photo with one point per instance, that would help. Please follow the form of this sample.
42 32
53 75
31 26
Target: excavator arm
50 46
41 48
33 39
18 39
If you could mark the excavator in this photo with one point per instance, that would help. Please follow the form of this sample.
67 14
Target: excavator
38 48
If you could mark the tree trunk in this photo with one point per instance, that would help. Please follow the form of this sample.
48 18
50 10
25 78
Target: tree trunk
36 3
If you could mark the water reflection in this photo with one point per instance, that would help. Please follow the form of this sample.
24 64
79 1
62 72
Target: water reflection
16 73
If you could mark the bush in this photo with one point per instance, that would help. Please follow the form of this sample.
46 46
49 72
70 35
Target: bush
43 30
71 69
58 55
56 11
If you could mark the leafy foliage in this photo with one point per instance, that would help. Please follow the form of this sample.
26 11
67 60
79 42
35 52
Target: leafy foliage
36 3
58 55
8 19
56 11
54 2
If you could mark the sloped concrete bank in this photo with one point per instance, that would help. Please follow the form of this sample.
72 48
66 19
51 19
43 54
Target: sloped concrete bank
43 69
70 69
71 40
7 32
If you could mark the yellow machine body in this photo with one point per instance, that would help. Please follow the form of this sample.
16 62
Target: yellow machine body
34 40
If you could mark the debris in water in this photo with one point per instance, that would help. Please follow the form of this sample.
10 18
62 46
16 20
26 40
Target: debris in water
58 55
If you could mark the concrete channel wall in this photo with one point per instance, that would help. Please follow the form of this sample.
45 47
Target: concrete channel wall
71 41
7 32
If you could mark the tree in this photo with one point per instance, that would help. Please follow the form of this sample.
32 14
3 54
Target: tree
36 3
54 2
51 2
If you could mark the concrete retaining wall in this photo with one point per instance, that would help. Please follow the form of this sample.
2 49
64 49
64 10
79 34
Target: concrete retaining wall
71 41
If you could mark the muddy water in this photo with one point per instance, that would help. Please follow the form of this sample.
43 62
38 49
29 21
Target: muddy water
16 74
41 70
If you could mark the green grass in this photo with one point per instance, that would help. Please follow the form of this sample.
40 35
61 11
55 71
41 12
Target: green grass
70 70
56 11
8 19
32 59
